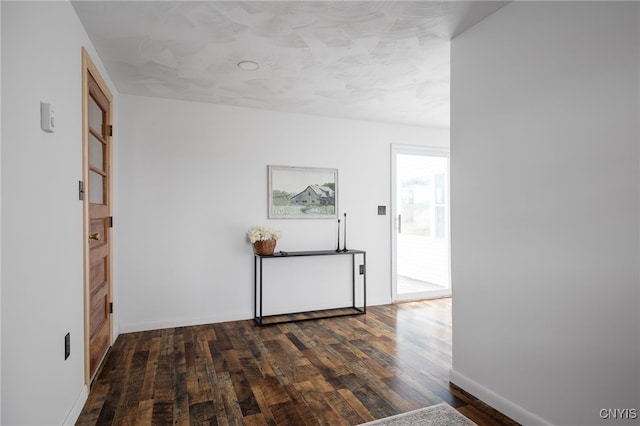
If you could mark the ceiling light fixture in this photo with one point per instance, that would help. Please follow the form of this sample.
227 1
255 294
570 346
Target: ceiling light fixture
248 65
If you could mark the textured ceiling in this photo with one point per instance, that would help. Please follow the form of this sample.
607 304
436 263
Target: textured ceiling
385 61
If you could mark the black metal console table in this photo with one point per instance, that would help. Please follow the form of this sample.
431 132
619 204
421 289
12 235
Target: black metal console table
310 315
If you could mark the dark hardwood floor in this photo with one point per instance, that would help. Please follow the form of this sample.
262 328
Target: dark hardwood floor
340 371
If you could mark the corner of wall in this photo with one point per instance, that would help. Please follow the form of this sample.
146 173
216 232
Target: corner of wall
75 411
496 401
0 211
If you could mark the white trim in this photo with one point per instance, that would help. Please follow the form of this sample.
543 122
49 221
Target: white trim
432 294
495 400
434 151
180 322
429 151
75 411
185 322
378 301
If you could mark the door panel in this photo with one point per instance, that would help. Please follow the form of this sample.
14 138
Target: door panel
99 308
98 275
99 345
97 202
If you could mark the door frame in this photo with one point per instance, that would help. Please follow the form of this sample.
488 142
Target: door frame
430 151
89 67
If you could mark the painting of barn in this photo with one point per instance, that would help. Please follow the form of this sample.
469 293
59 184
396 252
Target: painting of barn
314 195
302 192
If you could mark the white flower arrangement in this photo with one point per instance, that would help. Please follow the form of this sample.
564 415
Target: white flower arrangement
260 233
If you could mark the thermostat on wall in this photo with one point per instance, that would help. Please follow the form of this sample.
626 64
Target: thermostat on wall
47 118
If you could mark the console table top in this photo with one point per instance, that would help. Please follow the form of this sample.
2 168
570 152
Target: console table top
310 253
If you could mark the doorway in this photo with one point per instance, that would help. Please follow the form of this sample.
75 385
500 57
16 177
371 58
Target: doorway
96 189
420 232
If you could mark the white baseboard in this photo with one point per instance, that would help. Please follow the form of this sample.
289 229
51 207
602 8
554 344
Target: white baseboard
379 301
179 322
73 415
185 322
434 294
496 401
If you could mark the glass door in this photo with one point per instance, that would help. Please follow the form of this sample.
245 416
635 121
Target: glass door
420 211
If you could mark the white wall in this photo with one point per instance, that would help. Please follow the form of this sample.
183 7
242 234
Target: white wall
42 289
193 179
545 210
0 210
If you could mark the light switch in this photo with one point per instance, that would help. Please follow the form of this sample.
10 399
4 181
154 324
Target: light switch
47 122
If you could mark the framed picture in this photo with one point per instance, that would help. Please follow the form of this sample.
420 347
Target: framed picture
302 193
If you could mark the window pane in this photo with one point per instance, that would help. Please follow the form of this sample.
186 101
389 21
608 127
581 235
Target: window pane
414 191
440 221
440 189
95 116
96 152
96 188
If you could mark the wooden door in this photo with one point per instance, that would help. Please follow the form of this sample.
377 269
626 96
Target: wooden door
97 130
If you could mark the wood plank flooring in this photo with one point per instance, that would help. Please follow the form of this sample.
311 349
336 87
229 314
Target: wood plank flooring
339 371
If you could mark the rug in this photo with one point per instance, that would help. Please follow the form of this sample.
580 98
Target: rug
437 415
